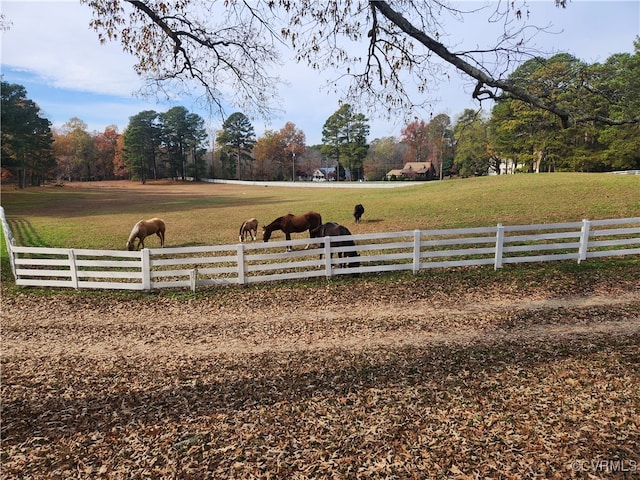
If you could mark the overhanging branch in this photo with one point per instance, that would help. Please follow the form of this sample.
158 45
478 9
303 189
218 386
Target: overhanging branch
483 78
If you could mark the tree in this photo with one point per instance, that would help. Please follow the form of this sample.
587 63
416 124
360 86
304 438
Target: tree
26 137
235 46
384 155
534 138
415 136
619 77
438 135
472 157
77 151
268 152
119 167
142 140
237 135
182 134
294 141
344 136
106 147
276 151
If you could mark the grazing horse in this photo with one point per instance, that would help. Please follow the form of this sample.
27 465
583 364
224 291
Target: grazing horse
294 224
249 227
333 229
143 229
358 210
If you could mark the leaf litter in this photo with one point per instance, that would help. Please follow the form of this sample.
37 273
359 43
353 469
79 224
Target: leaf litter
400 379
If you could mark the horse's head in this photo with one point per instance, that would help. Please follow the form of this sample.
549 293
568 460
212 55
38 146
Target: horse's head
266 234
130 245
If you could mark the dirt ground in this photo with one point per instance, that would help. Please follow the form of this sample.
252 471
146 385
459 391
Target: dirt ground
404 378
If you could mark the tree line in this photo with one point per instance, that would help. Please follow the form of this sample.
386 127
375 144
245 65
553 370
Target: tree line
513 136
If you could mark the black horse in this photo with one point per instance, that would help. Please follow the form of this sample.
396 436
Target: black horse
358 211
332 229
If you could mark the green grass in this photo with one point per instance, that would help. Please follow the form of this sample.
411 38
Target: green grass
101 215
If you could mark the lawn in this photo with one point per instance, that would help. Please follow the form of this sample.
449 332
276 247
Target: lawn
101 214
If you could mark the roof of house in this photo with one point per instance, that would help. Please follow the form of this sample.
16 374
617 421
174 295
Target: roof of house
417 167
324 170
411 168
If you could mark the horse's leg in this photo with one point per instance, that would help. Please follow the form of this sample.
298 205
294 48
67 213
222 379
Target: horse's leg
287 235
310 236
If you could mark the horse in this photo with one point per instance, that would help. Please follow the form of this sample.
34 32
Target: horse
358 211
143 229
293 224
248 227
332 229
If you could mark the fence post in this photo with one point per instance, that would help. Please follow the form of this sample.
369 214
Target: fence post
327 257
9 241
584 240
145 258
499 246
73 269
416 251
240 255
193 276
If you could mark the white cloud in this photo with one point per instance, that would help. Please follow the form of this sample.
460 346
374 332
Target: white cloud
54 41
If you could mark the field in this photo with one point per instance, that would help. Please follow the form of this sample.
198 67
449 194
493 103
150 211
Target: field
528 372
101 214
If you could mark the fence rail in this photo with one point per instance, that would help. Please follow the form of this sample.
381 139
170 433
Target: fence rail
192 267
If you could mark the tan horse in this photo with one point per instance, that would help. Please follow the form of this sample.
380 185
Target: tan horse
143 229
249 227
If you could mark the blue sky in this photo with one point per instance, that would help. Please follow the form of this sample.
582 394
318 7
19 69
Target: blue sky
50 49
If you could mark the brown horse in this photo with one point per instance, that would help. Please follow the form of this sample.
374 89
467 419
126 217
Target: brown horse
294 224
249 227
143 229
333 229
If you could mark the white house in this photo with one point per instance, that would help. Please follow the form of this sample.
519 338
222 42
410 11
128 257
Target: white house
324 174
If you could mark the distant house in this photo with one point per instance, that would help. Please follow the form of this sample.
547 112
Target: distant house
396 173
413 171
324 174
508 167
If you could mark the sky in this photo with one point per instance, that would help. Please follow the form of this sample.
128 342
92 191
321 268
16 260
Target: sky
51 51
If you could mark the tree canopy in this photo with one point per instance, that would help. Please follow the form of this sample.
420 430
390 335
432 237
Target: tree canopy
237 136
27 140
381 47
344 138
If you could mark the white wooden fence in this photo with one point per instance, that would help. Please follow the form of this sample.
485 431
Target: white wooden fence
416 250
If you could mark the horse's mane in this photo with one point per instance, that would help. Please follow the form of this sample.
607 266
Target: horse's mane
134 232
279 219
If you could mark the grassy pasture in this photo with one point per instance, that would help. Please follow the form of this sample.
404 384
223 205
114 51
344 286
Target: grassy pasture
100 215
